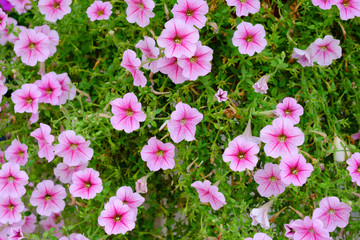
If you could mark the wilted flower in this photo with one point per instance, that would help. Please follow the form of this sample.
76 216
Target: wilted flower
260 215
261 85
141 185
342 153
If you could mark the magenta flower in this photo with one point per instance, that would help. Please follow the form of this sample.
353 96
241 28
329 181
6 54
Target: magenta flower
45 141
295 170
48 198
325 50
171 67
86 184
3 19
244 7
10 210
249 38
140 11
12 180
269 180
21 6
221 95
210 194
353 168
290 109
356 136
198 64
127 113
242 154
324 4
309 229
183 121
281 138
126 195
158 155
73 148
17 152
6 6
54 9
191 12
32 47
64 172
99 10
304 57
68 89
259 236
289 231
332 213
348 9
50 89
74 236
131 63
26 99
149 51
260 215
178 39
52 35
117 217
261 85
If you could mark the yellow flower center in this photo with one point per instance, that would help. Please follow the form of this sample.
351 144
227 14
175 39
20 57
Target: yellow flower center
48 91
47 197
189 13
100 12
273 179
29 100
241 155
129 112
11 207
73 146
177 39
331 211
117 218
21 153
287 112
160 153
282 138
32 45
10 178
294 170
183 121
87 184
249 38
56 5
323 48
193 59
141 6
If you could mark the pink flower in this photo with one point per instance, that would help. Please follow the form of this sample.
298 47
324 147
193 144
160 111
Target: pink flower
332 213
47 224
348 9
117 217
158 155
127 197
356 136
132 64
141 185
74 236
3 90
178 39
325 50
16 233
290 109
260 215
309 229
149 51
45 141
54 9
52 35
269 180
26 99
281 138
50 89
99 10
259 236
5 34
56 220
191 12
28 224
305 57
183 121
64 172
73 148
48 198
198 64
32 47
86 184
3 19
12 180
261 85
242 154
17 152
68 89
140 11
221 95
353 168
208 193
10 210
295 170
171 67
289 230
2 157
21 6
325 4
244 7
249 38
6 5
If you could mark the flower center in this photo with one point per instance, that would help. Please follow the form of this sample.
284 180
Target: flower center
11 179
87 184
346 3
129 112
273 179
323 48
57 219
331 211
32 45
249 38
177 39
160 153
48 91
311 230
189 12
125 202
21 153
294 170
73 146
183 121
47 197
11 207
100 12
282 138
287 112
117 218
29 100
72 167
56 5
141 6
193 59
242 1
358 170
241 155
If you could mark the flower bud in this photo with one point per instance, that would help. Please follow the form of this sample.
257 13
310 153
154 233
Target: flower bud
342 153
261 85
141 185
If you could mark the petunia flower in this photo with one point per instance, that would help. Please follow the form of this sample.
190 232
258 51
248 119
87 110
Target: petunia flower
140 11
183 121
248 135
127 113
10 208
21 6
54 9
3 19
74 236
64 172
295 170
126 195
68 89
6 35
309 229
131 63
269 180
27 224
244 7
356 136
171 67
6 5
149 51
192 12
290 109
289 231
249 38
16 233
304 57
12 180
3 90
141 185
56 219
348 9
326 50
221 95
353 168
261 85
99 10
86 184
158 155
50 89
325 4
52 35
259 236
260 215
45 141
47 224
26 99
209 193
17 152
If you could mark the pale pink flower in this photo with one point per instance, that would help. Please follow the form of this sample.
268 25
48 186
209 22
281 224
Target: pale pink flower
348 8
244 7
3 90
99 10
261 85
260 215
131 63
5 35
304 57
50 89
198 64
325 4
12 180
10 210
73 148
295 170
192 12
17 152
149 51
117 217
289 231
183 121
64 172
21 6
126 195
353 168
281 138
16 233
210 194
326 50
248 135
141 185
32 47
48 198
178 39
140 11
54 9
34 117
259 236
158 155
2 78
45 141
290 109
56 219
221 95
309 229
47 224
241 152
26 99
28 224
356 136
332 213
171 67
86 184
74 236
269 180
2 153
52 35
68 89
3 19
